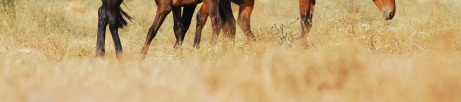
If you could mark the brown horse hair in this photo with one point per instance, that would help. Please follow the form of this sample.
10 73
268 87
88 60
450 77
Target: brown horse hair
182 21
110 13
227 17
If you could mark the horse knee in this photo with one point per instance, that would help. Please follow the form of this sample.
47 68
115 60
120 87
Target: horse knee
102 13
242 22
304 20
102 10
307 19
113 22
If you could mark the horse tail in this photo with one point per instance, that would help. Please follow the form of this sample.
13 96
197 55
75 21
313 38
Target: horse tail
122 15
117 16
238 2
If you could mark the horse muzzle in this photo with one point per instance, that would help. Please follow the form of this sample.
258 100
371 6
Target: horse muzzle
388 15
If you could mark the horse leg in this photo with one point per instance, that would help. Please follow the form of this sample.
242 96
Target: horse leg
178 27
224 28
244 18
116 39
306 7
186 18
162 12
114 23
102 24
202 16
215 18
228 19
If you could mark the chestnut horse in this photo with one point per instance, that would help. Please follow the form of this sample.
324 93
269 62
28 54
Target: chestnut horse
110 13
181 26
306 7
246 7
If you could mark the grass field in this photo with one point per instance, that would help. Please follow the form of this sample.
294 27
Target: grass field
47 54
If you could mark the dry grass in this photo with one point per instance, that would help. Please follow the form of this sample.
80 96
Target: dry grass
47 55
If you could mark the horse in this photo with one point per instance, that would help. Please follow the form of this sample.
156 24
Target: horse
306 7
110 13
165 6
246 7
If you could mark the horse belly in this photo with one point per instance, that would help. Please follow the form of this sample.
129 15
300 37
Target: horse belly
185 2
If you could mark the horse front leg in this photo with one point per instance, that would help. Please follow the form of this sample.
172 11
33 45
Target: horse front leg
215 18
202 16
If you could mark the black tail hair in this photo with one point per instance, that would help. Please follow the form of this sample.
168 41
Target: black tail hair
120 15
238 2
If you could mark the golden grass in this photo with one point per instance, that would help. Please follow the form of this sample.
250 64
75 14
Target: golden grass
47 55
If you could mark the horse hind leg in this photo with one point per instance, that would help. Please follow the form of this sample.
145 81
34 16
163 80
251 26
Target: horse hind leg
178 27
102 24
244 19
306 8
114 24
112 14
202 16
187 18
162 12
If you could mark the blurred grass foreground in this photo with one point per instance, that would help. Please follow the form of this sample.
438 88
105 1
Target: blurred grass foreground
47 54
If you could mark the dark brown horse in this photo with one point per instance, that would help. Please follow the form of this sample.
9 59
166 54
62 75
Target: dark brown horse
246 7
110 13
306 7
